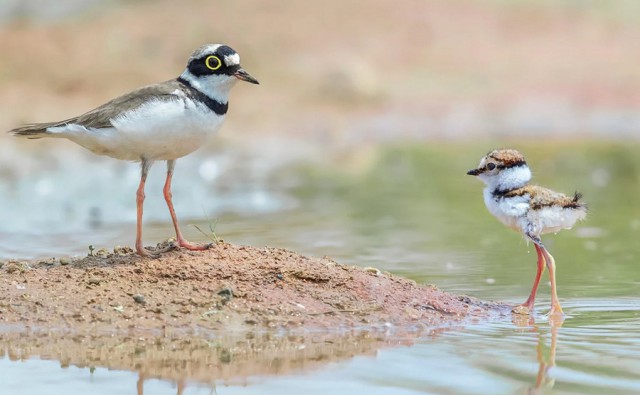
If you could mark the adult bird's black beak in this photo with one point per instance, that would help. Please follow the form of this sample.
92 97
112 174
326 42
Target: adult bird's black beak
474 172
244 76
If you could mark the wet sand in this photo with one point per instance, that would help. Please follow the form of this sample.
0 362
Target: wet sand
229 287
224 314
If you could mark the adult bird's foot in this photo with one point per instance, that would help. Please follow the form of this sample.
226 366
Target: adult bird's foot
156 252
194 247
143 252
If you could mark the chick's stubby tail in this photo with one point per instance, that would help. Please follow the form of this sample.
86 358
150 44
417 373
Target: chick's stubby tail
575 208
575 202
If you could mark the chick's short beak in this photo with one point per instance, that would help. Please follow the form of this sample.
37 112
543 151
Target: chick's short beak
474 172
244 76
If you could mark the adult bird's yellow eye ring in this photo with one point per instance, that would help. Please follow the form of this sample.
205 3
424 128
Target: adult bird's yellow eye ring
213 63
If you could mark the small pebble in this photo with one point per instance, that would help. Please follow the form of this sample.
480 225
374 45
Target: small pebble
373 270
47 262
15 266
65 261
226 293
94 281
139 299
118 250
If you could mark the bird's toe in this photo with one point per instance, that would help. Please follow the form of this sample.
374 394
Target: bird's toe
521 309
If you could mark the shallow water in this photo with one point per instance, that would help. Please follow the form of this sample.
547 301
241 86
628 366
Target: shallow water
408 210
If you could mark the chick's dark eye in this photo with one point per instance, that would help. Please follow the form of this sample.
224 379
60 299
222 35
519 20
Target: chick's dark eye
491 166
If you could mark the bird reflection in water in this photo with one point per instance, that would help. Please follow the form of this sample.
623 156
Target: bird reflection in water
180 386
546 356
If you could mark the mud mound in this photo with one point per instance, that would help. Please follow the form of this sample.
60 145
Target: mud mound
230 287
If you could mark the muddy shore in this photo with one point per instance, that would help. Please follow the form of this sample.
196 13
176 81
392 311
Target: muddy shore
229 287
227 313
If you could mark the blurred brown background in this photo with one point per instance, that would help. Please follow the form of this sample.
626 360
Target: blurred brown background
345 72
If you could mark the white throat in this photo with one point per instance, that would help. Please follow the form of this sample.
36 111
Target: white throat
507 179
215 86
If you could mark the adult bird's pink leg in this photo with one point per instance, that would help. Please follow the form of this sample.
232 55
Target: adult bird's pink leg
551 264
532 297
167 196
139 205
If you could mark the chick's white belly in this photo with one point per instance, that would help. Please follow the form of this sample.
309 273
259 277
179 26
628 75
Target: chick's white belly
554 219
159 130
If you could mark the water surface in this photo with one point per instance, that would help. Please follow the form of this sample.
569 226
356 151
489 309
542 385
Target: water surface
410 210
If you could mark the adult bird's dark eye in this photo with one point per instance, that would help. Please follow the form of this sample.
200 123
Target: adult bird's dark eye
491 166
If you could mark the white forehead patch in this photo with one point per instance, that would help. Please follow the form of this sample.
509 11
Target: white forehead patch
232 60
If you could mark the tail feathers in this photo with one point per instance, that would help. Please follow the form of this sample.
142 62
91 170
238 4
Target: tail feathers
575 202
34 130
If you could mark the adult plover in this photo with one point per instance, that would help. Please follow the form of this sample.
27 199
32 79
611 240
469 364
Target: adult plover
164 121
529 209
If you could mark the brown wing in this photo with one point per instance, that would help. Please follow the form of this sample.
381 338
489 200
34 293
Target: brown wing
543 197
101 117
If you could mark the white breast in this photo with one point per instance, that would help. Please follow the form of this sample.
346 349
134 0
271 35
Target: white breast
509 211
157 130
